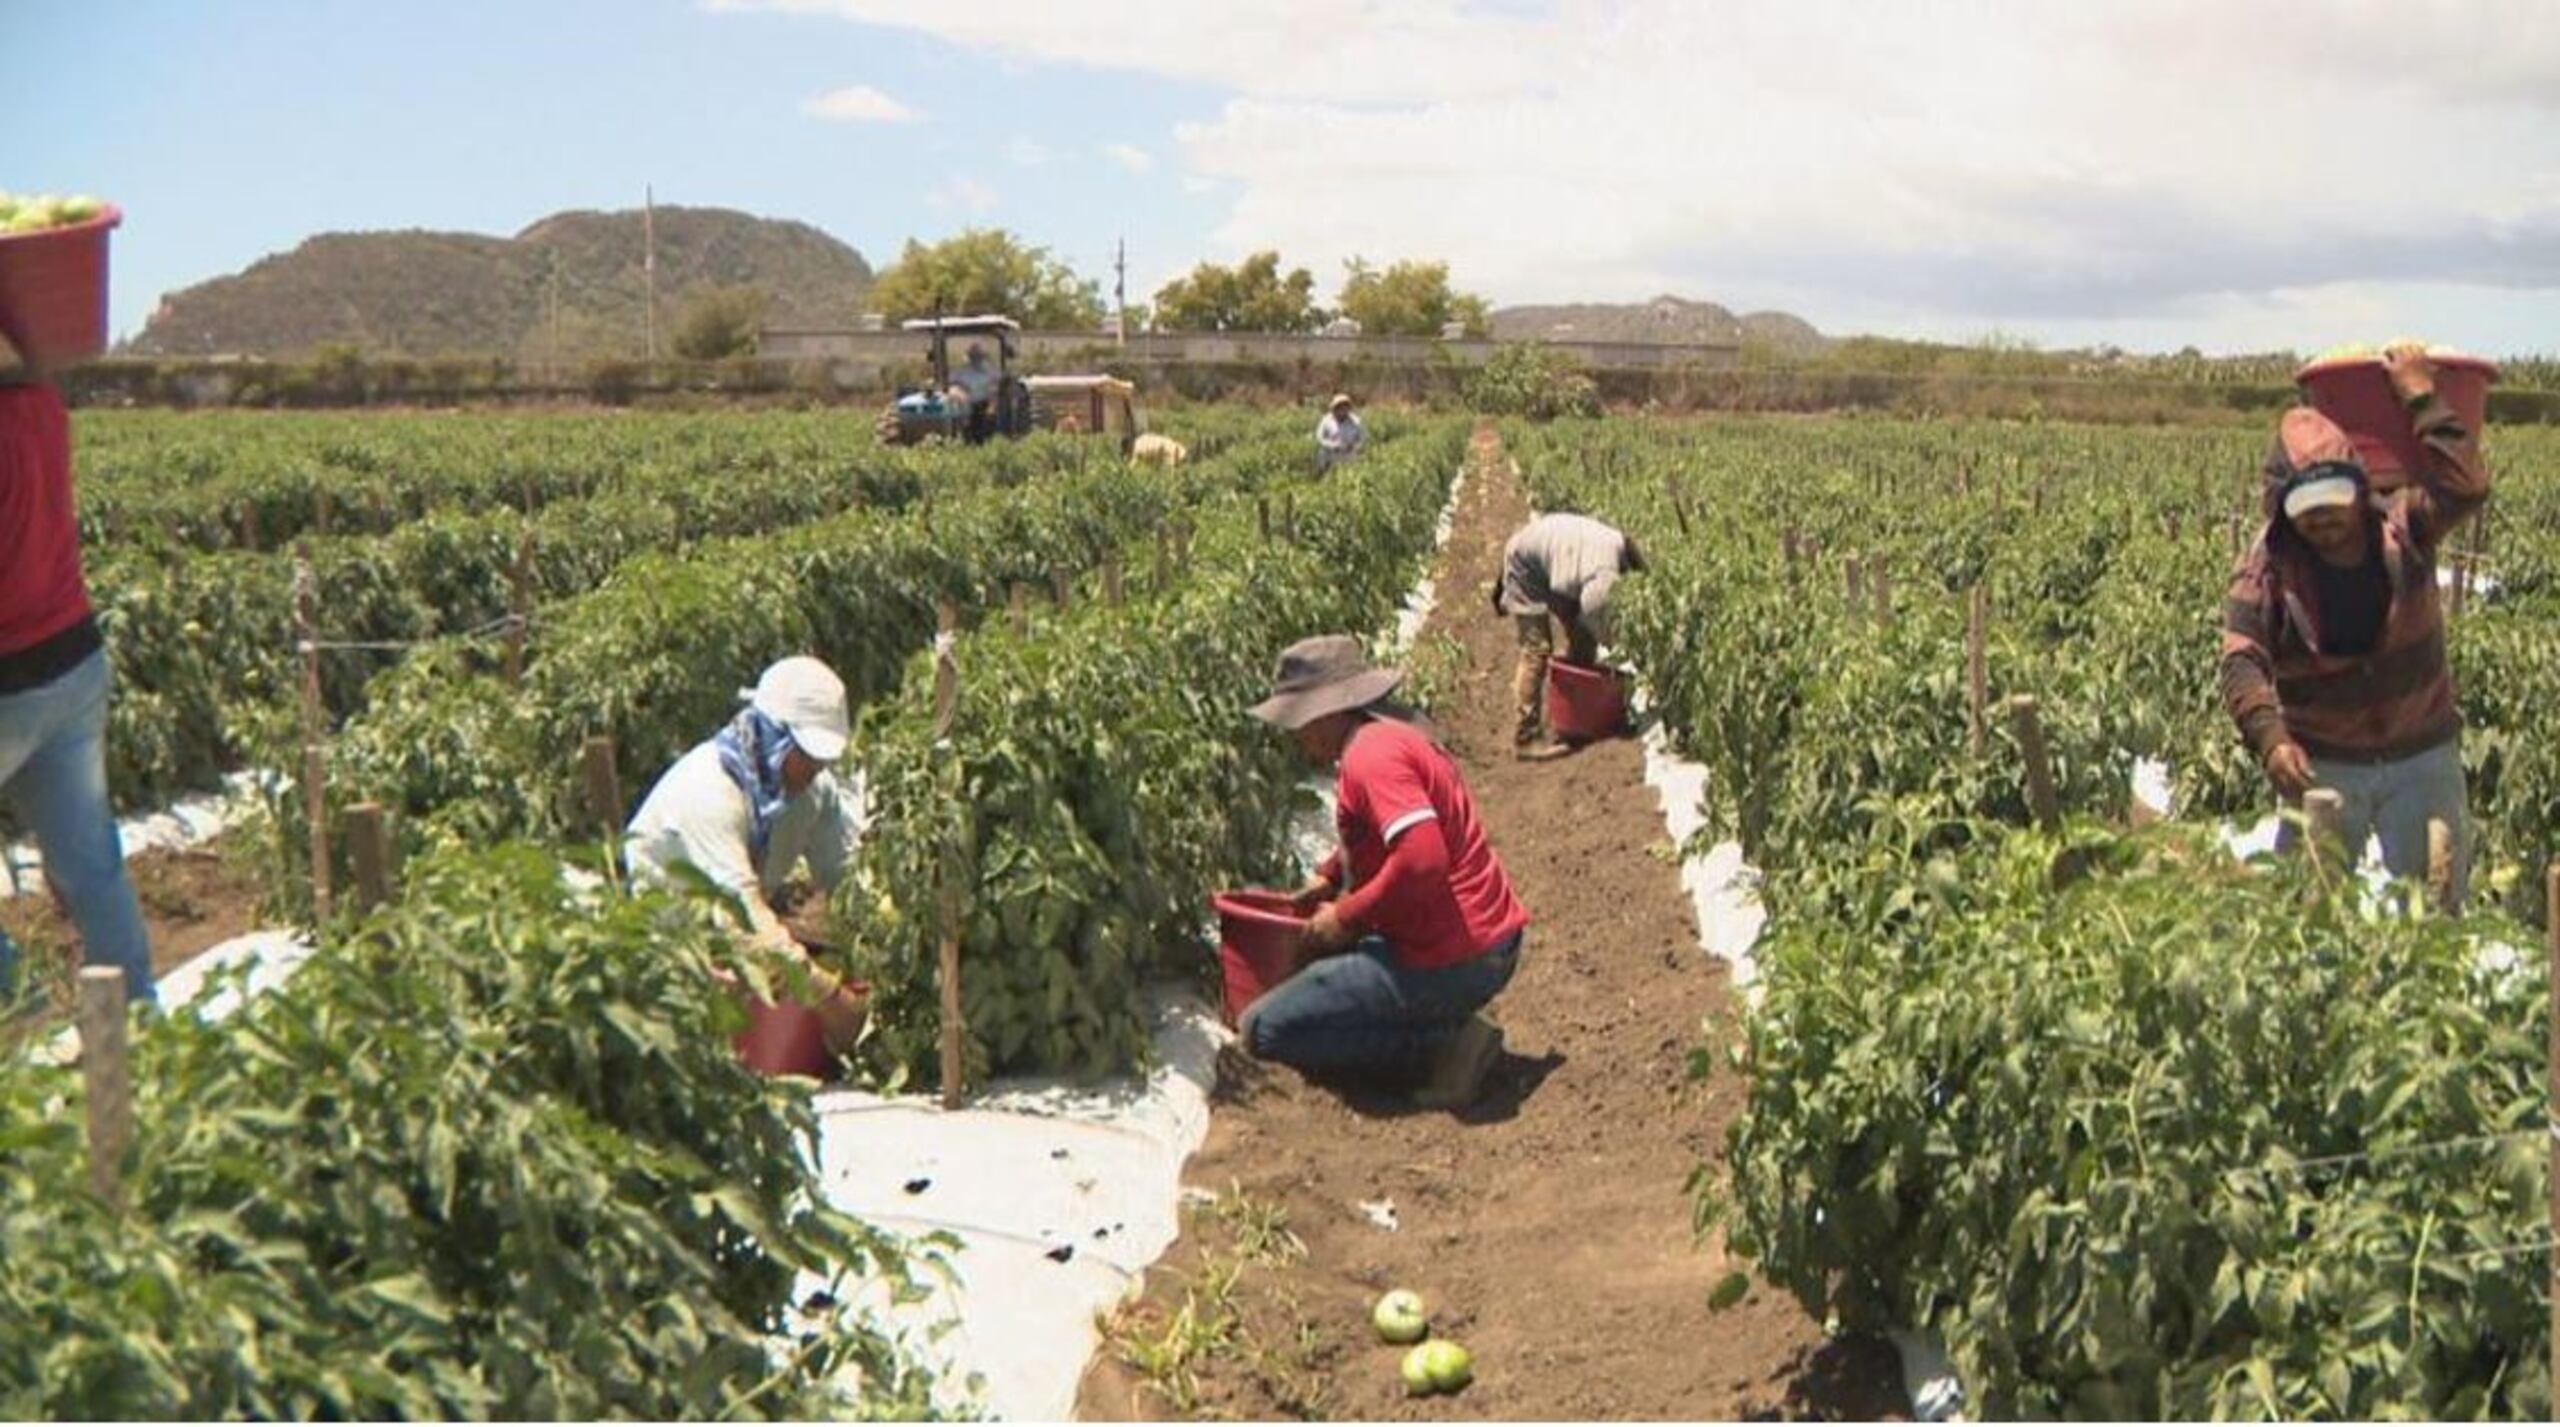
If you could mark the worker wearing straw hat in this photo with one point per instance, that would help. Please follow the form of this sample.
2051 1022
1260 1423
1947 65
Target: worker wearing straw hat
1339 433
2333 643
750 805
1413 924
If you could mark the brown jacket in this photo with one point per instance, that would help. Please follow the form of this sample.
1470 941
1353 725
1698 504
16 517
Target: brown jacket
2388 704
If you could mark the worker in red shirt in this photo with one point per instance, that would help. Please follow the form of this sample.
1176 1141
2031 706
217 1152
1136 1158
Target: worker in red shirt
1413 924
53 687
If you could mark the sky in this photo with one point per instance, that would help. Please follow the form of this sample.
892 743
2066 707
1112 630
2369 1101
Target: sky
2236 175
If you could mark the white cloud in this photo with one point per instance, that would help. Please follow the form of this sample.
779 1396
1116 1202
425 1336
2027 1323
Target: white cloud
1130 157
1028 153
2239 164
961 193
858 104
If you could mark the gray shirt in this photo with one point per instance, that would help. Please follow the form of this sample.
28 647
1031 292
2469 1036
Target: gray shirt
1559 562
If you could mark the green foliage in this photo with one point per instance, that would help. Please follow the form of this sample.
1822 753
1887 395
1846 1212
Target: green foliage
988 270
1532 380
1252 296
490 1156
1408 299
721 321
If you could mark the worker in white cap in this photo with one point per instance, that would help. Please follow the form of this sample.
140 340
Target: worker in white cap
747 806
1339 433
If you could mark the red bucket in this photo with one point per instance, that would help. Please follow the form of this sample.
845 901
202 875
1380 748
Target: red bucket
1257 944
53 289
2354 392
790 1038
1584 703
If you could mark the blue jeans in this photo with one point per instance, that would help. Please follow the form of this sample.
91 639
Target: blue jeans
53 770
1363 1013
2394 802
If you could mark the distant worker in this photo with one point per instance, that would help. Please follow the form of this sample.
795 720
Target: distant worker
54 684
749 805
1339 434
1562 567
1157 449
1414 926
2333 652
978 384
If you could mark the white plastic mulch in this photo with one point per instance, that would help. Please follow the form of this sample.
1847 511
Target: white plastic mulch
188 822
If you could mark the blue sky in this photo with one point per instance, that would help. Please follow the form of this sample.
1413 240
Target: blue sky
1949 168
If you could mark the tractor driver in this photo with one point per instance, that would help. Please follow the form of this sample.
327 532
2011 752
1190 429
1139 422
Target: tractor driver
977 383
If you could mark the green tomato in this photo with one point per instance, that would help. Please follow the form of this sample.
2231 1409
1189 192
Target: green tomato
1449 1366
1417 1372
1399 1317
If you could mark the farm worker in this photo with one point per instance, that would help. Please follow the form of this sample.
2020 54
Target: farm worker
1339 434
54 684
754 801
1414 925
2333 658
977 381
1563 567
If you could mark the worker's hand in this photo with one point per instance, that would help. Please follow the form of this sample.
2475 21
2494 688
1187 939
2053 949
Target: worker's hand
2289 768
2412 374
1315 894
1325 933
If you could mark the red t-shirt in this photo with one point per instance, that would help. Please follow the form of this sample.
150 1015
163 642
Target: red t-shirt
41 591
1393 778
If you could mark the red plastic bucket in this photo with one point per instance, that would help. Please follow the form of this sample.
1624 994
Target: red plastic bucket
1257 944
53 289
790 1037
1584 703
2354 392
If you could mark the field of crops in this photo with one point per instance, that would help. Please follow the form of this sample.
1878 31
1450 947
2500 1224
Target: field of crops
489 1153
2141 1129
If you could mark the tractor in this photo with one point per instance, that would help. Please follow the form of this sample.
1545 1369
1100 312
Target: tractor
943 409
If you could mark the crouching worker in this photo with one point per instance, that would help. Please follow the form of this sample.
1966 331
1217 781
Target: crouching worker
1414 924
755 801
2333 653
1562 567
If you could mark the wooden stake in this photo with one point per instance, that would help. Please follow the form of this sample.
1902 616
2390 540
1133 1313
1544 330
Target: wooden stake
315 796
107 1078
320 509
520 605
1018 603
946 708
1262 518
1112 593
2325 809
1977 667
370 845
604 786
1883 592
2027 715
1061 587
2440 865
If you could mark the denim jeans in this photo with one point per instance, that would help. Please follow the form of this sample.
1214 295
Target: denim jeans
1362 1012
2394 802
53 770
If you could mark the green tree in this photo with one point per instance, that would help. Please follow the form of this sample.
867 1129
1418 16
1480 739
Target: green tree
719 321
1533 380
1408 299
1252 296
988 270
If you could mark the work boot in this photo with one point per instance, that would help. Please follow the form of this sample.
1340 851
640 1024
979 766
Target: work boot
1458 1069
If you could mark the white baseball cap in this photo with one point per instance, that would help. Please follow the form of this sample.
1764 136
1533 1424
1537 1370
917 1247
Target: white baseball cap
2319 494
805 696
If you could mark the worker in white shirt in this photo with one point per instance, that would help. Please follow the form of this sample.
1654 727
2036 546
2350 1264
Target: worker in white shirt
1339 434
751 804
978 383
1559 569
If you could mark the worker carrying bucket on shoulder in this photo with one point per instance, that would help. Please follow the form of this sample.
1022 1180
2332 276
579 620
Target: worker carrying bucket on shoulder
2333 638
748 806
1565 568
1413 925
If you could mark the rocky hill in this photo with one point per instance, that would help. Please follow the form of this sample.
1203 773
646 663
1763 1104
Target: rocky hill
1663 319
424 294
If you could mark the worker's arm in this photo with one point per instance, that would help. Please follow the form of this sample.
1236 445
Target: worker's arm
2249 678
1321 887
2453 482
1417 858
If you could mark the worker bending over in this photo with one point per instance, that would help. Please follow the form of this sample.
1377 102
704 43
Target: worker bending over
1565 568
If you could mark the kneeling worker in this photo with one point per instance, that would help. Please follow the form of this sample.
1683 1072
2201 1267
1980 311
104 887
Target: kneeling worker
1562 566
2333 657
748 805
1414 924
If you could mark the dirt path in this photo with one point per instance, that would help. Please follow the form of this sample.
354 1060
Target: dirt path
192 900
1547 1226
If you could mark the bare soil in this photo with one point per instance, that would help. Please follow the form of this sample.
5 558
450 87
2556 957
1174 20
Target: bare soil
192 900
1548 1226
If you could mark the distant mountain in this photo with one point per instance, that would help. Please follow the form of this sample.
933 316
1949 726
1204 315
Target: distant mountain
1663 319
423 294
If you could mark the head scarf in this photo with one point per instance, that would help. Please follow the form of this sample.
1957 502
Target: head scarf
752 749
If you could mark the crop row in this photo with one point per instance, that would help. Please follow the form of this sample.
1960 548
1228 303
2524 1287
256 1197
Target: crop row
2141 1128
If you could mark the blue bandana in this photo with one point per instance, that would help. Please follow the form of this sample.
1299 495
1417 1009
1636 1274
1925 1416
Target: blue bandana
752 748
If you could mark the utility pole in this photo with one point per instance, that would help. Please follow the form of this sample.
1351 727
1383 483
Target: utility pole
1120 293
649 260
